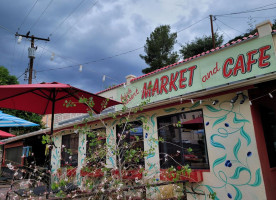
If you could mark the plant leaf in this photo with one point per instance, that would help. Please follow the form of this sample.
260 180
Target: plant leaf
216 144
236 120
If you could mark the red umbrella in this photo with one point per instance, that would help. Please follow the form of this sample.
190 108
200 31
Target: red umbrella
4 134
49 98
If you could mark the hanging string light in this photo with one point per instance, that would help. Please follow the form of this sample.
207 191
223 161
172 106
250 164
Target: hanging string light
19 39
80 69
103 78
270 95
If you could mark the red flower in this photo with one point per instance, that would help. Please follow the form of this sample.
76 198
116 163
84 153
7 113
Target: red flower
178 167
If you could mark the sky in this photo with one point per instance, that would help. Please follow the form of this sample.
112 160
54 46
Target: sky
107 36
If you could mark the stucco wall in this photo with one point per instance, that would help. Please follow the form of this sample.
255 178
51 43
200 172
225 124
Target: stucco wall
233 158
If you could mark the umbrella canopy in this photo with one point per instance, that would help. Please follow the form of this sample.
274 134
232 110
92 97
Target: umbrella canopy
40 98
49 98
4 134
12 121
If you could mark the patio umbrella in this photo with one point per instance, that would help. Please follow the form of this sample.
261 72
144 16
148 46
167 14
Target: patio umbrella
4 134
49 98
7 120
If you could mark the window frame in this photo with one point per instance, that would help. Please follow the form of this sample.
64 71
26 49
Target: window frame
65 154
177 115
140 124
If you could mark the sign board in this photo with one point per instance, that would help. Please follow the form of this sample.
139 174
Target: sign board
242 61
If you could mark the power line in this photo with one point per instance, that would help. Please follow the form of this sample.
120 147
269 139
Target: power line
247 11
77 20
109 57
93 61
62 22
191 25
6 29
27 15
222 30
48 5
229 26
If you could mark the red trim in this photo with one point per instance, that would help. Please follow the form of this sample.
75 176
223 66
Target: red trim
269 174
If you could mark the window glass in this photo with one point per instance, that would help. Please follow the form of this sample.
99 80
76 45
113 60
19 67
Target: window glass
95 147
129 133
13 155
70 152
184 140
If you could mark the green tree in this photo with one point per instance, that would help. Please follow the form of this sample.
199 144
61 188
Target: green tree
199 45
159 49
7 79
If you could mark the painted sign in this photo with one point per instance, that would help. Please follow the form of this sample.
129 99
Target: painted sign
242 61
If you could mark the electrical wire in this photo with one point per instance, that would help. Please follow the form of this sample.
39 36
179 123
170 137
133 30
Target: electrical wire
191 25
48 5
62 22
229 26
78 20
93 61
222 30
6 29
27 15
247 11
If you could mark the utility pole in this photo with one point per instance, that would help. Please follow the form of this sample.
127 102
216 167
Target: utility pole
213 37
31 52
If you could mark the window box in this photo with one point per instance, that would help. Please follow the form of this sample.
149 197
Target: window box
93 173
129 174
71 172
194 177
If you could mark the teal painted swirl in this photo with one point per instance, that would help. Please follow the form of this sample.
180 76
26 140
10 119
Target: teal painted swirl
212 109
236 149
216 144
236 120
219 161
258 178
218 121
245 135
238 170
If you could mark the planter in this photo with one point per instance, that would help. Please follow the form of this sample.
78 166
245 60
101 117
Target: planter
129 174
71 172
95 173
194 177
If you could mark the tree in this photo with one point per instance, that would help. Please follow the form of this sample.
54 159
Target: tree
159 49
7 79
199 45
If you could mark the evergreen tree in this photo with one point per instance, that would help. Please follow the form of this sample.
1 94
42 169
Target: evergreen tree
159 49
200 45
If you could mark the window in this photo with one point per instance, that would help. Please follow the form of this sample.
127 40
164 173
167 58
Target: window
13 155
182 132
95 147
69 154
268 117
132 130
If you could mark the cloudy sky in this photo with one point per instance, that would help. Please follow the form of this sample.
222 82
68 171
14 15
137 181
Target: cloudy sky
107 36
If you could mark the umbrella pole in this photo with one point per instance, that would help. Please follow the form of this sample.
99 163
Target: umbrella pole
50 152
